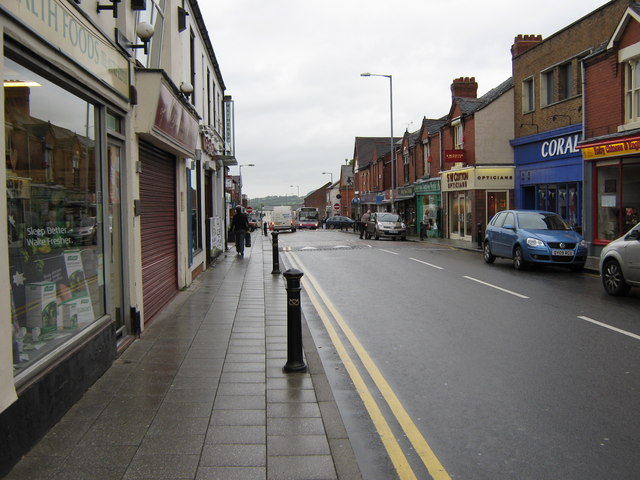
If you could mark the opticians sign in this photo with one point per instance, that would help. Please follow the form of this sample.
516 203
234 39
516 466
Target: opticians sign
481 178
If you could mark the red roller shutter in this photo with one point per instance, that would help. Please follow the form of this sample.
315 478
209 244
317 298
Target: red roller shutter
159 229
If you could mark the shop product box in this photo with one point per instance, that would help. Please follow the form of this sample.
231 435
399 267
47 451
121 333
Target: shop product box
68 315
42 309
79 288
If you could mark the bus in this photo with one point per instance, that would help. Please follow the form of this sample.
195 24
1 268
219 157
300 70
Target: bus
307 217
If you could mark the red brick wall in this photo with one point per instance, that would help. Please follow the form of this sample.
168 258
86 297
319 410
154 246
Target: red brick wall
604 95
563 46
317 199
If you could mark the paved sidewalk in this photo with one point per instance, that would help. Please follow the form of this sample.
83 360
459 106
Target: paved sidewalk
202 395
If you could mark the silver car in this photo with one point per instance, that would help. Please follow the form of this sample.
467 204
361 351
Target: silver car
620 263
385 224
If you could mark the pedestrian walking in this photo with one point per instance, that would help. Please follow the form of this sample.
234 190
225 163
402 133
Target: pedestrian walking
424 226
363 222
240 227
265 227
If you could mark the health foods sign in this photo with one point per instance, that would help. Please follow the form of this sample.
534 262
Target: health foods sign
65 29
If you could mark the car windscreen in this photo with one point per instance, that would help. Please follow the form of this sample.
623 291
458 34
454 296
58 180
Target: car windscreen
388 217
541 221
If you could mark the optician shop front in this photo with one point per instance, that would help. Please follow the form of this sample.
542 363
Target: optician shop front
472 195
62 275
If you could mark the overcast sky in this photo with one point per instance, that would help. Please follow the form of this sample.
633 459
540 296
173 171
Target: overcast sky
293 69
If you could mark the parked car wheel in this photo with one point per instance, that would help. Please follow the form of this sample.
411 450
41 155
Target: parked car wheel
613 279
518 259
486 253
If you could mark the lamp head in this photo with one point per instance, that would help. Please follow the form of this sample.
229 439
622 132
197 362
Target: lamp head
186 88
367 74
144 31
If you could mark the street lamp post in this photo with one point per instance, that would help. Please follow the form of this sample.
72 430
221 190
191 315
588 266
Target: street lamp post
393 150
329 173
240 176
298 186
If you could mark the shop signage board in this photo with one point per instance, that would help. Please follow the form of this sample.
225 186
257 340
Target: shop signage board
62 26
482 178
629 146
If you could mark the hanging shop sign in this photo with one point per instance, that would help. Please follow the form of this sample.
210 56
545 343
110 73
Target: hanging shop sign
61 25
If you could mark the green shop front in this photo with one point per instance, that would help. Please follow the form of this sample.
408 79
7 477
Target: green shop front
428 201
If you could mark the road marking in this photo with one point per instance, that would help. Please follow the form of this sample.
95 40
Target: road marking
422 448
595 322
388 251
308 248
496 287
429 264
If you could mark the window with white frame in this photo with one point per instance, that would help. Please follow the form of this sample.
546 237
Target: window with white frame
632 91
458 135
565 81
546 88
427 154
528 95
405 161
154 14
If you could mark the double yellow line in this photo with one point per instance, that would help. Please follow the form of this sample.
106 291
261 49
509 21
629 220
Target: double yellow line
397 456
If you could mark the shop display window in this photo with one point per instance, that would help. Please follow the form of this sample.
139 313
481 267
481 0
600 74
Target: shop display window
53 214
618 199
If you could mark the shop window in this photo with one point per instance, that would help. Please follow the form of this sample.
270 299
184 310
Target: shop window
630 213
53 213
632 91
608 204
193 176
496 202
528 95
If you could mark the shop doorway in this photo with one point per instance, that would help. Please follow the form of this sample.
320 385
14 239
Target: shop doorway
114 230
460 216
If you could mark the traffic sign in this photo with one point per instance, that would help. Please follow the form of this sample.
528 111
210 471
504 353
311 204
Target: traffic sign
336 206
249 209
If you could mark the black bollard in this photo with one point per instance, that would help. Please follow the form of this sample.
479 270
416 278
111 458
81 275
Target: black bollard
276 258
295 362
480 236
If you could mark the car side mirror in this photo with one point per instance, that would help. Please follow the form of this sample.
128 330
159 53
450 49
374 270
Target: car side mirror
508 226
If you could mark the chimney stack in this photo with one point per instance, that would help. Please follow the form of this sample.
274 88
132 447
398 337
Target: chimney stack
522 43
465 87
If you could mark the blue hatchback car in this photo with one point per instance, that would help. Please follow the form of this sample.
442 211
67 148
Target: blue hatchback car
533 236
